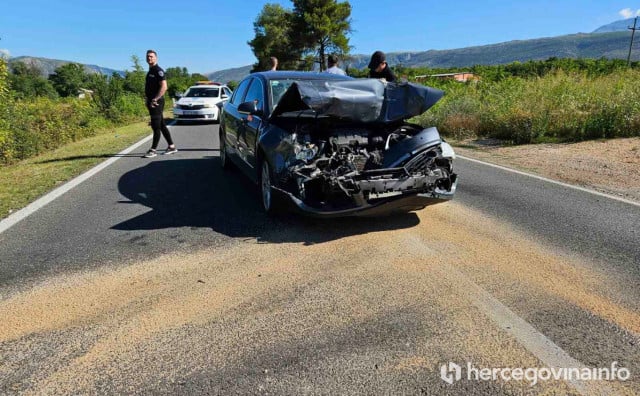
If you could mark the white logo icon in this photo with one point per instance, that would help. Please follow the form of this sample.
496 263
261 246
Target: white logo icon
451 373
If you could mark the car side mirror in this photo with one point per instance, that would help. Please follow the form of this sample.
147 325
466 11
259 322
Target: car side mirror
225 96
250 107
178 95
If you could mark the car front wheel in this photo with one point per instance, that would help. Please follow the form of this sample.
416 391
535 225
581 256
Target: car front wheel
224 160
266 190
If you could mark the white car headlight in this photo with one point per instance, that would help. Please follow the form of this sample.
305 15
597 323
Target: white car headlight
208 105
447 151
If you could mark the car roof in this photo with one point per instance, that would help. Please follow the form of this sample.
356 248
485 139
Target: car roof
207 86
298 75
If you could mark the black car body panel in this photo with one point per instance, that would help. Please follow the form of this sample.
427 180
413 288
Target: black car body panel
337 146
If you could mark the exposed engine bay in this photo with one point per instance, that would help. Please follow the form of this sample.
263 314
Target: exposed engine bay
346 166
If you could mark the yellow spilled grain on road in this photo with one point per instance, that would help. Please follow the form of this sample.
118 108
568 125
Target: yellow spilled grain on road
492 251
272 295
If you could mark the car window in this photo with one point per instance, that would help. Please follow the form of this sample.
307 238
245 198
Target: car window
227 91
256 93
202 93
238 95
278 88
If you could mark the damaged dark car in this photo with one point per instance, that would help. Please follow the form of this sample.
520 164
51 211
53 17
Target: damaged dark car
330 145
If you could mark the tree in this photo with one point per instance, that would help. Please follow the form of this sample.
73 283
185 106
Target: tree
134 80
232 84
26 81
6 151
4 74
321 27
68 79
106 93
274 37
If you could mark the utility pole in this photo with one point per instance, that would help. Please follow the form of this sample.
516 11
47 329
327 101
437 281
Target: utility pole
633 32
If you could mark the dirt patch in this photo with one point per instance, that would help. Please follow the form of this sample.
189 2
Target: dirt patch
609 166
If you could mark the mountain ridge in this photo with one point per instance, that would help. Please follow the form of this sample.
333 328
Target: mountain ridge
48 66
611 45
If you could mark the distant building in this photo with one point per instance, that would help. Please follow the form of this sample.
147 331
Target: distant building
461 76
84 93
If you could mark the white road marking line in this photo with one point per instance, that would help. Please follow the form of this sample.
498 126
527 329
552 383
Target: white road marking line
535 342
583 189
16 217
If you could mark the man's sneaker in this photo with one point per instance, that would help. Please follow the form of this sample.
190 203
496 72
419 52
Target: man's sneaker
150 154
170 150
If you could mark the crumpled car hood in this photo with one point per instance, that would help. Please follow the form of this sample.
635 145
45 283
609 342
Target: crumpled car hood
363 100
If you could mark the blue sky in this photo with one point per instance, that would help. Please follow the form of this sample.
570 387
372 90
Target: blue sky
206 36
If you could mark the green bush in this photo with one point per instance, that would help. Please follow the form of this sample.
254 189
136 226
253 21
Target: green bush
130 106
43 124
6 146
34 125
559 106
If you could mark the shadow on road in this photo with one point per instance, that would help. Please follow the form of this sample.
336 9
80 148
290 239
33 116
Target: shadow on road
198 193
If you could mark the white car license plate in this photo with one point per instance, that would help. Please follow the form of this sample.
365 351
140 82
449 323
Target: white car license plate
190 112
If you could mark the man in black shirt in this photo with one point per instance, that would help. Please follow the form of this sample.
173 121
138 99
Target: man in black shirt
378 67
154 88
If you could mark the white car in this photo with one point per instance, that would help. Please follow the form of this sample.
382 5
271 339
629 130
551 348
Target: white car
201 102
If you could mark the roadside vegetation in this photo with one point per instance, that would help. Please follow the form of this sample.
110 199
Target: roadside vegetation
558 100
48 134
39 114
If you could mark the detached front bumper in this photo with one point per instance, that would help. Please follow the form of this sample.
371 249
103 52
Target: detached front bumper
402 203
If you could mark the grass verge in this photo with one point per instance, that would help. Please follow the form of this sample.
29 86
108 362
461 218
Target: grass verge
25 181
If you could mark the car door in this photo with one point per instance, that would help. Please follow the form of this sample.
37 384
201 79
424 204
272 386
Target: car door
249 135
232 119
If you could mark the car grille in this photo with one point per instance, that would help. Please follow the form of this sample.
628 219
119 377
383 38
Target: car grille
194 107
192 116
421 161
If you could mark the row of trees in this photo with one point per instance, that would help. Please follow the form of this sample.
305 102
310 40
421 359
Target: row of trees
303 35
26 81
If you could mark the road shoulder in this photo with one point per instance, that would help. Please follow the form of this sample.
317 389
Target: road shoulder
609 166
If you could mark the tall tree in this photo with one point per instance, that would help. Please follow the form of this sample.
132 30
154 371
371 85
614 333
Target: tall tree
274 37
134 80
322 26
68 79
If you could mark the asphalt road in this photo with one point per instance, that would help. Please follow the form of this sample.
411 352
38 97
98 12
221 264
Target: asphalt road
163 276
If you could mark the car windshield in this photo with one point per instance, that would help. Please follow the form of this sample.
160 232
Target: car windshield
279 87
201 93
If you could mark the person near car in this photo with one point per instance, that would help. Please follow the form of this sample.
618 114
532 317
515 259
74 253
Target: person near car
332 66
154 88
378 67
273 62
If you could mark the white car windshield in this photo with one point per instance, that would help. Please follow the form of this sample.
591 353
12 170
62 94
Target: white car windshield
201 93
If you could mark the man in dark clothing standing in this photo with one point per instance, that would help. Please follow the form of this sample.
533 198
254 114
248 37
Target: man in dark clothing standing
378 67
154 88
273 63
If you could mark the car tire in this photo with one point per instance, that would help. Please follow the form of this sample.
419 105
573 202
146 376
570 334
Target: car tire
224 158
267 197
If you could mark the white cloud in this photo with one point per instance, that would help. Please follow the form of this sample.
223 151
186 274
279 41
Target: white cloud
628 13
4 53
